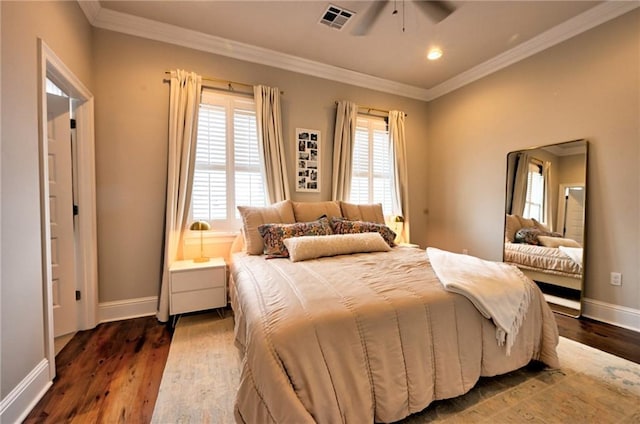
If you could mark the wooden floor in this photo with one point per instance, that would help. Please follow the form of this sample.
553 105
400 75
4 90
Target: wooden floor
112 374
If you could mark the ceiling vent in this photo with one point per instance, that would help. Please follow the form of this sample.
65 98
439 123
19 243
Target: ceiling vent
336 17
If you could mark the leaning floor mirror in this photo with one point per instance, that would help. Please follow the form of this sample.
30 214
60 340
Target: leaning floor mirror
545 220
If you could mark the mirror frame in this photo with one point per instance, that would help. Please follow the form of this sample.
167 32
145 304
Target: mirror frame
545 286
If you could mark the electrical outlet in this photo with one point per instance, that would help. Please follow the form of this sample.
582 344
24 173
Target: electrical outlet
616 279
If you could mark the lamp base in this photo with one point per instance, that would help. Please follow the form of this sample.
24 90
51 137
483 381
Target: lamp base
202 259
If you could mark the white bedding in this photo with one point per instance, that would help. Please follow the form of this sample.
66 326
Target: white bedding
364 337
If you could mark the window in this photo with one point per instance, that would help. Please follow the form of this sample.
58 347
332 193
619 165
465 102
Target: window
371 167
534 202
227 167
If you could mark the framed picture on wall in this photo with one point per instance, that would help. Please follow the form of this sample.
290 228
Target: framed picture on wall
308 160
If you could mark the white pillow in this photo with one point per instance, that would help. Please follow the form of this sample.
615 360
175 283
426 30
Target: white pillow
311 247
557 241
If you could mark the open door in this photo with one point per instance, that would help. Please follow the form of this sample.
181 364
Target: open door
63 264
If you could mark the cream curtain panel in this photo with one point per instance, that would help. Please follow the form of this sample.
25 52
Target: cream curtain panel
343 138
519 197
271 143
547 214
184 100
400 180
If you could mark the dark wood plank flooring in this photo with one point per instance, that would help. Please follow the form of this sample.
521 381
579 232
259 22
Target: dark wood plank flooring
112 374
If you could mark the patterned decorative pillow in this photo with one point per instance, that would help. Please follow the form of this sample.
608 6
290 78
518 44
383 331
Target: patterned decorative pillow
344 226
529 235
275 234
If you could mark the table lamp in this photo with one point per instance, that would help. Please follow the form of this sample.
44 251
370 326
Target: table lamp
201 226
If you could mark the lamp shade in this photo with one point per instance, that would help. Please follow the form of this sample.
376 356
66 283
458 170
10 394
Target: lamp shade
200 226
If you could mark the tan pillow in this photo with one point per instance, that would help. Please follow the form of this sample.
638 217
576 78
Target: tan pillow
311 247
526 222
512 225
367 212
311 211
557 242
540 226
253 217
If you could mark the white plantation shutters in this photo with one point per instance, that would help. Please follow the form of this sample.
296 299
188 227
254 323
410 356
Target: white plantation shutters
534 201
371 165
227 169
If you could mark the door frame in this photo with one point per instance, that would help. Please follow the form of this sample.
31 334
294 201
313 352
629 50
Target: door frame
561 203
50 66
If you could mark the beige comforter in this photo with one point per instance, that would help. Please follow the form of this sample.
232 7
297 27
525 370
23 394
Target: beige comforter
365 337
540 258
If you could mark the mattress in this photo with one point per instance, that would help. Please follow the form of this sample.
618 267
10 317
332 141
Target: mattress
364 337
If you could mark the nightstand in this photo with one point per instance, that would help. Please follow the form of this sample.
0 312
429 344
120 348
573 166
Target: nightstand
196 286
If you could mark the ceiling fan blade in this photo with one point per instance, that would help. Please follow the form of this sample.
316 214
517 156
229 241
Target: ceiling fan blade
369 18
435 10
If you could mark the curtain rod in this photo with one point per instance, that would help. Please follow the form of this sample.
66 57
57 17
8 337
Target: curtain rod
229 84
369 109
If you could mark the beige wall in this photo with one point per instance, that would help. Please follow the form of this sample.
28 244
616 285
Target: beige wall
131 139
587 87
63 26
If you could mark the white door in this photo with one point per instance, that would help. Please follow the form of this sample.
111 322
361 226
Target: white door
63 274
574 219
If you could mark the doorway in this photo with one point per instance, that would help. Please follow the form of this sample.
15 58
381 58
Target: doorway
68 217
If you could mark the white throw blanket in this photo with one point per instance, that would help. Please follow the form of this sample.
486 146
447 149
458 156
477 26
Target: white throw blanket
498 290
575 253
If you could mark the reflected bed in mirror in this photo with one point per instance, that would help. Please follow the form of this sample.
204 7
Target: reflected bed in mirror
545 220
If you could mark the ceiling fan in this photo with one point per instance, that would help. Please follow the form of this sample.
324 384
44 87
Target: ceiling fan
434 10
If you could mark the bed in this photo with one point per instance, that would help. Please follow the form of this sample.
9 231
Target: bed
543 255
364 337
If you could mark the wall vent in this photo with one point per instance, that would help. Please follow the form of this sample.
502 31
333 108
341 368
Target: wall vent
336 17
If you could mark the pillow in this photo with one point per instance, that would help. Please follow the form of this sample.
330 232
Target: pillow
253 217
557 242
310 211
525 222
368 212
540 226
528 235
512 224
344 226
311 247
274 235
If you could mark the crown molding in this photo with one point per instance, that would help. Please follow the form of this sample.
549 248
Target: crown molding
146 28
91 9
585 21
171 34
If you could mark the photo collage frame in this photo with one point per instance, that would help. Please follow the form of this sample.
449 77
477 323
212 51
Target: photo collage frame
308 160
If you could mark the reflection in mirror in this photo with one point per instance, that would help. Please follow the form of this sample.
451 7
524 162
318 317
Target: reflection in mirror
545 220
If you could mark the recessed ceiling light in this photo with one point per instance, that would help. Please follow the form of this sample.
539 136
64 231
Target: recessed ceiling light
434 54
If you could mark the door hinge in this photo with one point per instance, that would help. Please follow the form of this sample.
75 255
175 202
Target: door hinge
75 210
78 295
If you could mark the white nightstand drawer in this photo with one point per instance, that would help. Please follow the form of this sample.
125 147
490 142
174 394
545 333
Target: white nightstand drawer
197 279
198 300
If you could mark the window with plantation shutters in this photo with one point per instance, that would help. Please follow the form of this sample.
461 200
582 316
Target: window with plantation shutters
371 166
227 166
534 202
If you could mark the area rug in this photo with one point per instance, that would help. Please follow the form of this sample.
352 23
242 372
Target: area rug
203 369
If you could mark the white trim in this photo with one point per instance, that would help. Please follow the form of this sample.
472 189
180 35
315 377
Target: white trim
15 407
583 22
617 315
50 66
127 309
171 34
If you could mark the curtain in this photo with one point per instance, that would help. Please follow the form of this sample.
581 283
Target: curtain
399 178
547 213
344 135
519 196
271 143
184 100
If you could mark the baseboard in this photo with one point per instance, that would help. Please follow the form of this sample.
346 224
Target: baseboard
15 407
127 309
620 316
